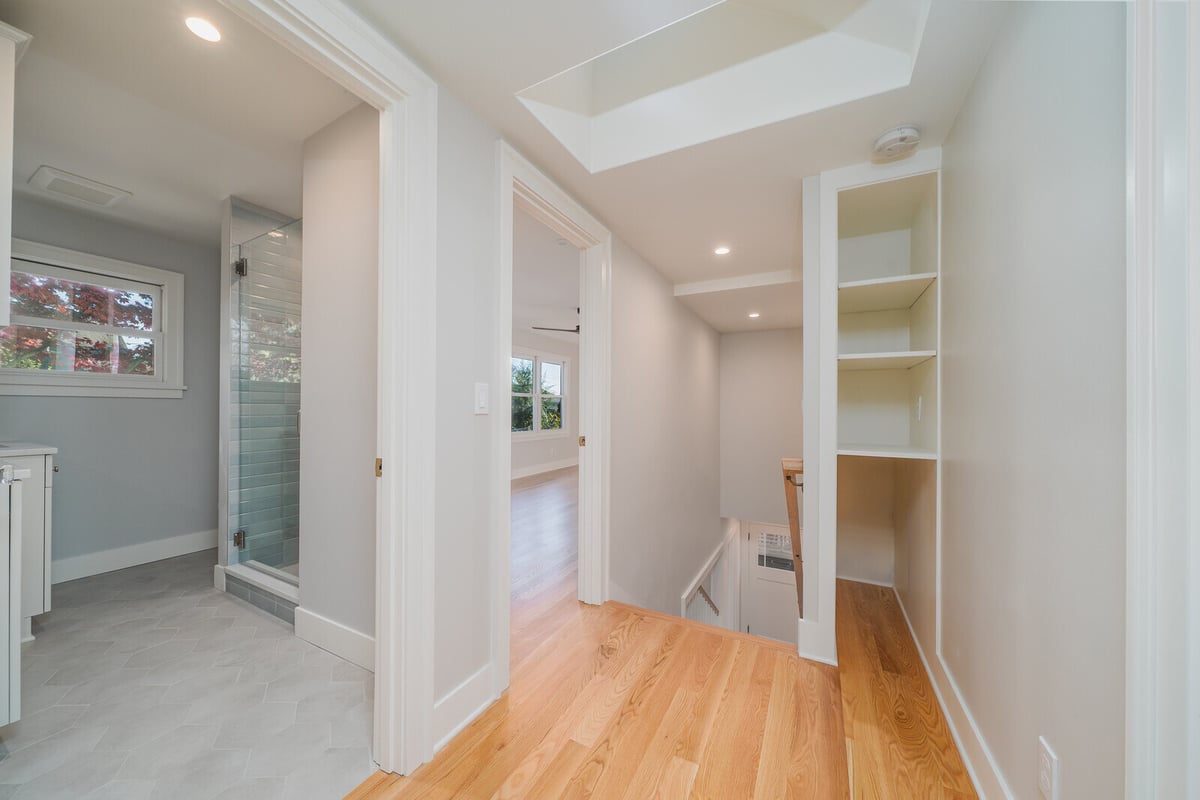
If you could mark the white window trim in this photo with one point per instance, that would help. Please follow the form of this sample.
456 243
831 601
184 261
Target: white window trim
537 435
168 383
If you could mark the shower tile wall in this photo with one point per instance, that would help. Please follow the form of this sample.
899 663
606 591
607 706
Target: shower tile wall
264 452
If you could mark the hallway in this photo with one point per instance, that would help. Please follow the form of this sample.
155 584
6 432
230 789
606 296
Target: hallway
614 701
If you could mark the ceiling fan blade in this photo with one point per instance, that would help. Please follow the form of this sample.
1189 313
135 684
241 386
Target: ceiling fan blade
560 330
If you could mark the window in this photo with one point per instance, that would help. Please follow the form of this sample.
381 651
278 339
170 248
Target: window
538 387
85 325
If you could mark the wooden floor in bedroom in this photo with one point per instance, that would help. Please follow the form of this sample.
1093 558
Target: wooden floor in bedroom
614 701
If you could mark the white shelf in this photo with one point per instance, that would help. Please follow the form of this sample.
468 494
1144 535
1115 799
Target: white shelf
883 294
862 361
886 451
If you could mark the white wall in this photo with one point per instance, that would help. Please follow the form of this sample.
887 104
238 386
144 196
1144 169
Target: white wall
466 312
134 470
531 456
760 422
1033 591
338 386
665 510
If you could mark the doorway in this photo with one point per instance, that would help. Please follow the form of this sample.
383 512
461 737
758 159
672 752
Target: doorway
524 189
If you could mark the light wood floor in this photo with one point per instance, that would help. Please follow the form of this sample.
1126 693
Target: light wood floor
619 702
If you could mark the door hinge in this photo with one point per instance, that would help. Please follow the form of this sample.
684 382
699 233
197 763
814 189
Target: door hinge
379 468
583 441
241 267
239 539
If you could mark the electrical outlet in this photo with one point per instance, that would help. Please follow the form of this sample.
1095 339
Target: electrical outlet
1048 785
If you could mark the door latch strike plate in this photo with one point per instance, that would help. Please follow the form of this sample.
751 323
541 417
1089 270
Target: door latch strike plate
583 441
379 468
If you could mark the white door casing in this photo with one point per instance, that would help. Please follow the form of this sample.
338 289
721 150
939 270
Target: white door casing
335 40
522 185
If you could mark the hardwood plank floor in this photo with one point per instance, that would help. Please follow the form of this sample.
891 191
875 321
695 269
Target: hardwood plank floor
619 702
897 739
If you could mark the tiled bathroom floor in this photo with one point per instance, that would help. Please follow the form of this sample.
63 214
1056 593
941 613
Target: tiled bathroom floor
149 683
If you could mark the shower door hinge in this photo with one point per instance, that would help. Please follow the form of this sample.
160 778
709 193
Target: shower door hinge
241 267
379 468
239 539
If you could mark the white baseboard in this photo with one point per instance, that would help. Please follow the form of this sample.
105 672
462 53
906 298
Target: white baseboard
354 646
869 581
69 569
974 749
461 706
538 469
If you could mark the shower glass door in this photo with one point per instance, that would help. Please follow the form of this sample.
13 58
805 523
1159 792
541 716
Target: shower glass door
265 416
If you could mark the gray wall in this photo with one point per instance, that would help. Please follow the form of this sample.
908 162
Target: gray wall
134 470
338 441
1033 423
665 517
761 382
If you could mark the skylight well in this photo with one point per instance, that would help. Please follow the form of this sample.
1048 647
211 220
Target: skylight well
734 66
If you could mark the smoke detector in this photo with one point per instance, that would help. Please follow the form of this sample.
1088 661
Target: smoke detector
77 188
896 144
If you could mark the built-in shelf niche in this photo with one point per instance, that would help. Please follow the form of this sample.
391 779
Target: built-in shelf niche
888 319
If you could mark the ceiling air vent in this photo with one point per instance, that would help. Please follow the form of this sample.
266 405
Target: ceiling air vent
79 189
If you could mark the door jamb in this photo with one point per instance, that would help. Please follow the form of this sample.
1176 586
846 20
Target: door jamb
524 186
334 39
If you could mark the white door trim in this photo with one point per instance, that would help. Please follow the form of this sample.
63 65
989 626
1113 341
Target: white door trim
1162 614
334 39
523 185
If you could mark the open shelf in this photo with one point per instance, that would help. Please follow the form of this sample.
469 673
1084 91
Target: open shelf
904 360
883 294
886 451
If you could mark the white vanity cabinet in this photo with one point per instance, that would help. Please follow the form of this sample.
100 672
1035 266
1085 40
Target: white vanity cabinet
37 492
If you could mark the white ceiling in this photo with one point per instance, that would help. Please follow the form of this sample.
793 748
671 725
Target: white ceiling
735 66
121 92
744 189
545 279
779 305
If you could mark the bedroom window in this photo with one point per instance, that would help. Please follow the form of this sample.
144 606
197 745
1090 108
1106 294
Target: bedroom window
538 388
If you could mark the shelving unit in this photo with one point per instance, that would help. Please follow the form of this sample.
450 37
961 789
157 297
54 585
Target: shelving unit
888 319
887 374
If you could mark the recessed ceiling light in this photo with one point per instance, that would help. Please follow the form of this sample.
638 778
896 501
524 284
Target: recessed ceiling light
203 28
721 251
754 315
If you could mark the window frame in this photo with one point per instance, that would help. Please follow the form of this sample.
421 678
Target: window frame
167 382
538 356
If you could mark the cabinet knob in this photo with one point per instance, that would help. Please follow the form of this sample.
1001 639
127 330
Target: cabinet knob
56 469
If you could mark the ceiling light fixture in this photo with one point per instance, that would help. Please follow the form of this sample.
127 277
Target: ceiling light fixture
721 251
203 28
754 315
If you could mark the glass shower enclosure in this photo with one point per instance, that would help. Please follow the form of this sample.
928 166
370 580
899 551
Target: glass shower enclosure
264 468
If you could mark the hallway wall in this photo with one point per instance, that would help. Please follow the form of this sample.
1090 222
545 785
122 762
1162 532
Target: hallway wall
665 513
760 421
1033 419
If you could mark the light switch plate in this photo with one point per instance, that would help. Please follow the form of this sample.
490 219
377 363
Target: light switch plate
481 398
